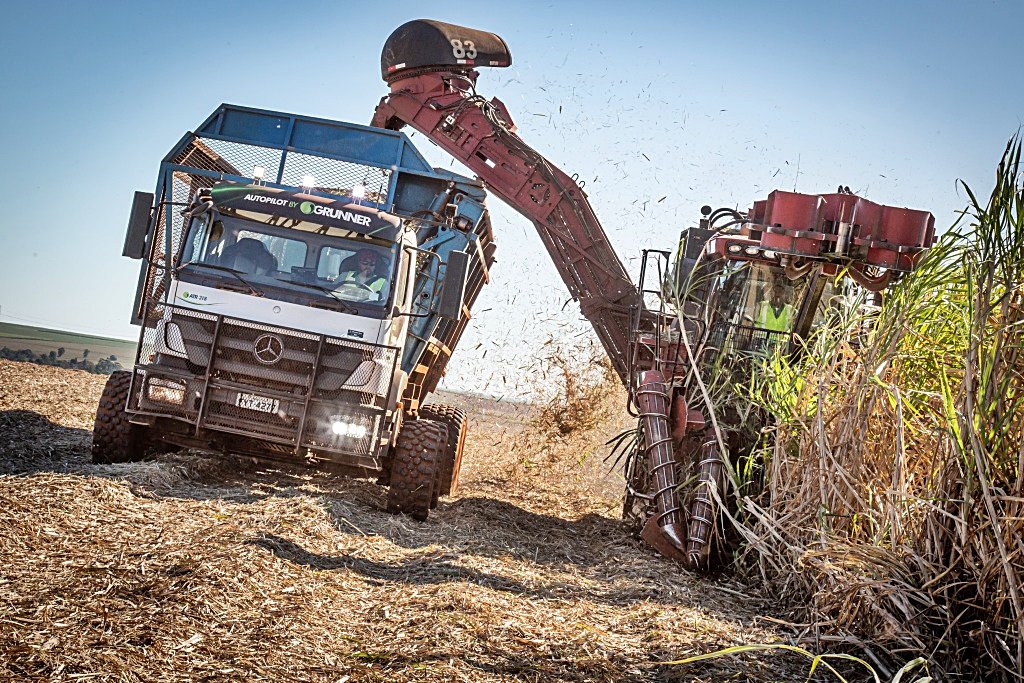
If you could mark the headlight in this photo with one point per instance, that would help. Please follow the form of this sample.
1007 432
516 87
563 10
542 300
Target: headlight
165 391
348 426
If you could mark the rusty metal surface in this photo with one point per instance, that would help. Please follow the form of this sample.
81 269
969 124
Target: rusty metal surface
710 488
653 401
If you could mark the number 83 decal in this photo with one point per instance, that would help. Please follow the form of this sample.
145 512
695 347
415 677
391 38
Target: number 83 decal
463 49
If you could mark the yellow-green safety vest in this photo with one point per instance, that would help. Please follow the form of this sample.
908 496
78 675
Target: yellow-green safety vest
374 285
767 320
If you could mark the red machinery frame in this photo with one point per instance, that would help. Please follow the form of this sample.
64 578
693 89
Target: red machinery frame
429 67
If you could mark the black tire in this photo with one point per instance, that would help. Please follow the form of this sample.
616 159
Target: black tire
114 438
414 467
451 463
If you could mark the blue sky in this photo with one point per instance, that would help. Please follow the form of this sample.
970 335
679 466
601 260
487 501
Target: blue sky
709 103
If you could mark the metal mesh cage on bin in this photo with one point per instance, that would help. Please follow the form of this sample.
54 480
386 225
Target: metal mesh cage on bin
336 177
235 158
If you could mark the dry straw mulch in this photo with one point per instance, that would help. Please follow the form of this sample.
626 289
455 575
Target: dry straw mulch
197 568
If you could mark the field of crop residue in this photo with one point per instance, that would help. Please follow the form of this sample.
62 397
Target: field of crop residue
196 568
41 340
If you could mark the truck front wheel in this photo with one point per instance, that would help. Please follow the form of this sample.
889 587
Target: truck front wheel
451 461
414 467
114 438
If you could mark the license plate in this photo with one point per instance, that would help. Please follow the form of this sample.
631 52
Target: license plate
262 404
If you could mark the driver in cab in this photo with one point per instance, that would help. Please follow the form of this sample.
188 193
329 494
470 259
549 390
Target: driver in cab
774 314
362 280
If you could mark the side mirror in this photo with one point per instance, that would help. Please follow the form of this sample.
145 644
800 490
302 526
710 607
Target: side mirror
453 289
138 226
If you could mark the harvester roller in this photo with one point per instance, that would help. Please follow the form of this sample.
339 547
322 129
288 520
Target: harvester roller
663 530
709 487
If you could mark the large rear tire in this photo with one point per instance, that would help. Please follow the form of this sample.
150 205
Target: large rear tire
114 438
451 462
414 468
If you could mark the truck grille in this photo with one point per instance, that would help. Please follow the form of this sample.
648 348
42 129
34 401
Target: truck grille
287 386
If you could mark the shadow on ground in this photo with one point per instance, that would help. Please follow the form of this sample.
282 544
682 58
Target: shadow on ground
30 442
444 568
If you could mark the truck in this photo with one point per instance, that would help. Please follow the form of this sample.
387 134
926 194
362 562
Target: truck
738 287
303 284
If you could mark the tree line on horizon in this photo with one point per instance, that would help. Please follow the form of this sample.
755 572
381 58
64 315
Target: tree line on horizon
103 366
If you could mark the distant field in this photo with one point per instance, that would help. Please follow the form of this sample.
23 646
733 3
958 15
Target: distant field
43 340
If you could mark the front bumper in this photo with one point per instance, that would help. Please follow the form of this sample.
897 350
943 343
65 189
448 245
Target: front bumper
298 390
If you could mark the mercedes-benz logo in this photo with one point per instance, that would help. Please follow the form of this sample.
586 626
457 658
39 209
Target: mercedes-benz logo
268 349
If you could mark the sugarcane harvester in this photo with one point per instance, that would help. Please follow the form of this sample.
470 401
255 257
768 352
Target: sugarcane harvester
741 283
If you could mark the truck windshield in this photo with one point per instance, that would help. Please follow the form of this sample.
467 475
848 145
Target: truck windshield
290 265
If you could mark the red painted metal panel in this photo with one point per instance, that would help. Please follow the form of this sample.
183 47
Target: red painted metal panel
793 210
790 219
842 226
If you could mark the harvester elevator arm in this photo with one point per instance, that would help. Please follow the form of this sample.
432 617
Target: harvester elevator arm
434 91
